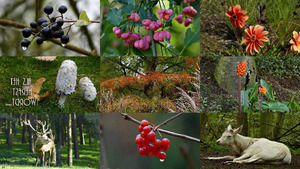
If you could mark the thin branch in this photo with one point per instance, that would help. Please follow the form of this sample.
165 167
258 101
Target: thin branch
127 117
167 121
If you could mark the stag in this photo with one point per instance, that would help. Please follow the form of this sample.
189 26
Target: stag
43 143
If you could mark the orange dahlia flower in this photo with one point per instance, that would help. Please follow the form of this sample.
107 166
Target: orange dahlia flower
237 16
262 89
253 38
295 42
241 68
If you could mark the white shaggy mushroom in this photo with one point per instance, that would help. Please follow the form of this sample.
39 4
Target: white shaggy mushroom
66 80
87 89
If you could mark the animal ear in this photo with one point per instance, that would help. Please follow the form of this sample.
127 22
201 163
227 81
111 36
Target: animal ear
229 128
238 130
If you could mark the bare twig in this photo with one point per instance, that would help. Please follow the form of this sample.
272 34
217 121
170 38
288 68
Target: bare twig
167 121
127 117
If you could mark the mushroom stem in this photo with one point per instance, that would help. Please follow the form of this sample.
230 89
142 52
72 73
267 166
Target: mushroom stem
62 100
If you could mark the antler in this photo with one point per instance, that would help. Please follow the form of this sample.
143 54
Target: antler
29 124
45 131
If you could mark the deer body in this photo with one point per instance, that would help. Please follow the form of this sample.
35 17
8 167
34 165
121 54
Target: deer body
252 150
43 143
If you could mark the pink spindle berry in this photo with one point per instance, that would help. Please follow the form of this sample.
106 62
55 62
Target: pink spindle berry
146 22
179 19
188 21
189 11
159 24
188 1
165 14
141 44
117 31
161 35
147 39
134 17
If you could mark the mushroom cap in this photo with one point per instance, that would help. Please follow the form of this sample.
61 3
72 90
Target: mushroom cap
87 88
66 78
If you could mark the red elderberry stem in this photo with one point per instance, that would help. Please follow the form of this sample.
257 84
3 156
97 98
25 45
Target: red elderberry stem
129 118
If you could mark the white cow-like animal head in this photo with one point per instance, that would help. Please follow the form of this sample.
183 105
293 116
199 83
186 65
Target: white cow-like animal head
228 136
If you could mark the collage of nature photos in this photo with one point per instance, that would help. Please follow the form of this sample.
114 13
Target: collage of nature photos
249 84
100 84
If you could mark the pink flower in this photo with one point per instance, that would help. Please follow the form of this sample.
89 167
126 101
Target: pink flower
161 35
165 14
188 21
189 11
179 19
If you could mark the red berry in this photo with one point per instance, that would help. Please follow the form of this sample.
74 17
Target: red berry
157 143
165 148
151 137
165 142
146 129
144 123
179 19
140 128
143 134
139 139
162 156
142 151
155 152
188 21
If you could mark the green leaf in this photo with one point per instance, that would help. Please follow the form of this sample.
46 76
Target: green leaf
127 9
295 106
142 52
252 90
114 16
125 1
168 44
190 36
244 100
275 106
83 20
269 93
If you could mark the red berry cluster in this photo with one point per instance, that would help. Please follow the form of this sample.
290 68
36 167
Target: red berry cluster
241 68
187 11
148 145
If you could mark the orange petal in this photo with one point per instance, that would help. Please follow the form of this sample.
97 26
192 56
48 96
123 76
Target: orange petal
258 29
256 48
295 34
248 48
292 41
228 13
237 8
264 39
243 12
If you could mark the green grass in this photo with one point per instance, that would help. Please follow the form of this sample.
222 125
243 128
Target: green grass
29 67
20 155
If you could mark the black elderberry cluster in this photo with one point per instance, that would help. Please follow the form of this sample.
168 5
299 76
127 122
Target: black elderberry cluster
45 29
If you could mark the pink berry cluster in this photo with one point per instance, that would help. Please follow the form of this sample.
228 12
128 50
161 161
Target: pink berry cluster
152 25
161 35
148 145
188 1
187 11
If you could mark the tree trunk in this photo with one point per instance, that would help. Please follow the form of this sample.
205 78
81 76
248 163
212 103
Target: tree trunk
24 131
81 133
74 136
242 119
90 138
279 123
9 134
70 154
203 121
1 125
266 131
31 133
63 136
58 143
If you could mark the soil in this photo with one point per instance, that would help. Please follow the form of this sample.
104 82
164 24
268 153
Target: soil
220 164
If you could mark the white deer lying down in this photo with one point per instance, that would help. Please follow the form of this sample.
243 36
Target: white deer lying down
252 150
